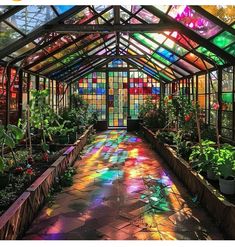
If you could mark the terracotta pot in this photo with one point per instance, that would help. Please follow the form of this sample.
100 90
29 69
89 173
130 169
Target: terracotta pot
227 186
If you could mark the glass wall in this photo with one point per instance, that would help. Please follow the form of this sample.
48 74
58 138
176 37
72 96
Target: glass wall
2 96
142 86
93 90
227 99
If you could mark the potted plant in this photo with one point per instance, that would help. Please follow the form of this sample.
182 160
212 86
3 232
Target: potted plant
225 168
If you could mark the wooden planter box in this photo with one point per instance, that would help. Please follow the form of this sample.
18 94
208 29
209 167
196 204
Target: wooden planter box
215 203
15 221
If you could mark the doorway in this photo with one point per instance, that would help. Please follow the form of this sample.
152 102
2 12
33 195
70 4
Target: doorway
117 98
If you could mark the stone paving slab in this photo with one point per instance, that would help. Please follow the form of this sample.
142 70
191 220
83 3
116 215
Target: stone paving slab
123 190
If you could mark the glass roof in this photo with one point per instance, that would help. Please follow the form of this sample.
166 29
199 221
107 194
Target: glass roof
165 54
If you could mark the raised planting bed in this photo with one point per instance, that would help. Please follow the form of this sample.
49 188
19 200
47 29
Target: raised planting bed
16 219
215 203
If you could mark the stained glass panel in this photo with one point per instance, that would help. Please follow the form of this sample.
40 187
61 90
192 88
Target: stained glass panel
224 39
142 86
194 21
93 90
117 101
224 12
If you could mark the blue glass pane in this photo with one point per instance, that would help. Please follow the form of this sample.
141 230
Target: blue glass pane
167 54
149 71
155 90
63 8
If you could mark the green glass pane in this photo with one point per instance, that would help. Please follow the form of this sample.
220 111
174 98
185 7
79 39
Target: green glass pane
165 76
146 41
171 45
227 97
224 39
161 59
231 49
211 55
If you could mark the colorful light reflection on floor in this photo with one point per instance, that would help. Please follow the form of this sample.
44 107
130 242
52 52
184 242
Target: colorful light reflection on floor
123 190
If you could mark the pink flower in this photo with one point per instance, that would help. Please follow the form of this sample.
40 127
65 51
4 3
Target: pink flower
215 106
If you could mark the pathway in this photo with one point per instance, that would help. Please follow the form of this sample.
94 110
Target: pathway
123 190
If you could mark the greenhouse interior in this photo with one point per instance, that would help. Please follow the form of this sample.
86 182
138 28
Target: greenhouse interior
117 122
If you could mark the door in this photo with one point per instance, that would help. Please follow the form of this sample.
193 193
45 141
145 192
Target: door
117 98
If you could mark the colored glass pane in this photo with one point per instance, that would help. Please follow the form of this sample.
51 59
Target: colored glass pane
32 17
92 88
167 54
159 38
224 12
22 50
185 41
231 49
142 87
161 59
210 55
63 8
224 39
189 67
138 44
117 99
146 41
194 21
80 17
147 16
180 70
175 47
43 64
202 64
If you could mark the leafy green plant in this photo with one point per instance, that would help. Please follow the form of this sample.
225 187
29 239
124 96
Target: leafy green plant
9 137
203 159
153 116
183 147
44 119
224 159
166 137
67 179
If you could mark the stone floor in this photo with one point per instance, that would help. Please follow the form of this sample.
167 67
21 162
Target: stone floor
124 191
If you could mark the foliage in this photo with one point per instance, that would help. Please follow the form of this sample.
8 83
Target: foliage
153 117
203 159
208 132
183 146
225 161
9 137
79 116
166 137
44 119
67 179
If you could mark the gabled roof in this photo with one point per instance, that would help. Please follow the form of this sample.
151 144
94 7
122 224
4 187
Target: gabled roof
168 42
